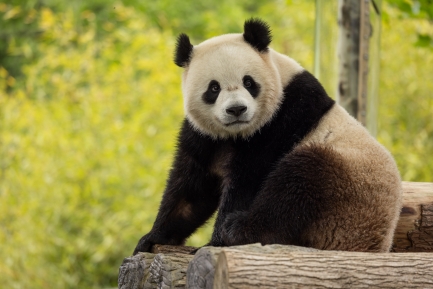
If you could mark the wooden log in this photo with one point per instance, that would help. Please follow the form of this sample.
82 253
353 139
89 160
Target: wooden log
414 232
167 249
169 271
150 282
324 269
150 270
134 271
201 269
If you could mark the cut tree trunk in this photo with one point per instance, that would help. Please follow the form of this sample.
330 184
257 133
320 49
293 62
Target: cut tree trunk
201 269
134 271
324 269
167 264
414 232
168 249
167 269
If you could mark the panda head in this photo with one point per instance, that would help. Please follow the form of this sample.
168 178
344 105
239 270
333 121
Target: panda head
231 83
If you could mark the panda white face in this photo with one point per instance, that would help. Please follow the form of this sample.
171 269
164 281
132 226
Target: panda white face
233 84
229 88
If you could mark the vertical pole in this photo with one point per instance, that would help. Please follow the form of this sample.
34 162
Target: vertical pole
364 40
374 66
354 33
317 40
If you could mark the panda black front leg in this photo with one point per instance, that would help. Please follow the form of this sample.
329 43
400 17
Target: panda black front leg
191 195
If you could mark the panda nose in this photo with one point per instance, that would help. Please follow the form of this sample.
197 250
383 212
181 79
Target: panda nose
236 110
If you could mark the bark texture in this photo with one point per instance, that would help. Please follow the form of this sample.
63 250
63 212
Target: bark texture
414 232
201 269
166 269
348 54
168 249
324 269
169 271
167 266
364 41
134 271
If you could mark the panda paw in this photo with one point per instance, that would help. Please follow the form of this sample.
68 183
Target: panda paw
236 229
144 244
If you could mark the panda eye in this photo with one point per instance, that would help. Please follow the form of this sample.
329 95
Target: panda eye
215 88
248 81
211 94
250 85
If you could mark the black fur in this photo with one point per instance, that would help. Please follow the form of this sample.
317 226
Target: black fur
183 51
210 96
251 163
189 182
258 34
290 200
254 88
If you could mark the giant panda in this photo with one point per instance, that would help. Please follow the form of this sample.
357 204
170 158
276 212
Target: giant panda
264 145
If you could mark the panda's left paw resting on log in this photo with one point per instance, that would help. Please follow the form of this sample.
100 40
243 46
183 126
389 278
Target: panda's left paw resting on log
147 241
145 244
237 230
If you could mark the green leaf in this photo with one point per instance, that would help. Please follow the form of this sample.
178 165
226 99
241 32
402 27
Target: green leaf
424 40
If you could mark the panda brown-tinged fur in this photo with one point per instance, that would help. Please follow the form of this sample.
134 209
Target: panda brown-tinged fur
296 170
337 202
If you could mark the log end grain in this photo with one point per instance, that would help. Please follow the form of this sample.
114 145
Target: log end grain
201 269
169 271
134 271
414 232
221 280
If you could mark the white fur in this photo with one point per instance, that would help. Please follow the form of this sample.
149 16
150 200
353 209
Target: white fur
227 59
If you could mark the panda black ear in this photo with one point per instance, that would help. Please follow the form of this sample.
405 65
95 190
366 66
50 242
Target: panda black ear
183 53
258 34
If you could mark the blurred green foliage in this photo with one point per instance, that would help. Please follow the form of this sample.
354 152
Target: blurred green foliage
417 9
90 105
406 96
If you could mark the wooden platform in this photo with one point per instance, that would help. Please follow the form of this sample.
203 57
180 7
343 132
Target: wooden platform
409 265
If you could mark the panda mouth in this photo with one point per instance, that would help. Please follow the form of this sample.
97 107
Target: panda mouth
236 122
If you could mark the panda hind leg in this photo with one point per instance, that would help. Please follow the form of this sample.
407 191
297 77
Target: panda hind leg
298 193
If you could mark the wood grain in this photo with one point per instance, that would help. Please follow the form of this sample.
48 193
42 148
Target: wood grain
134 271
324 269
201 269
167 266
167 249
414 232
169 270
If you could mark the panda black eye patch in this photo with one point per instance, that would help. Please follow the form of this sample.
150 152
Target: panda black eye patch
250 85
212 92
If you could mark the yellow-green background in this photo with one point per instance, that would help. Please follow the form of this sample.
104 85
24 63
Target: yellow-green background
90 104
